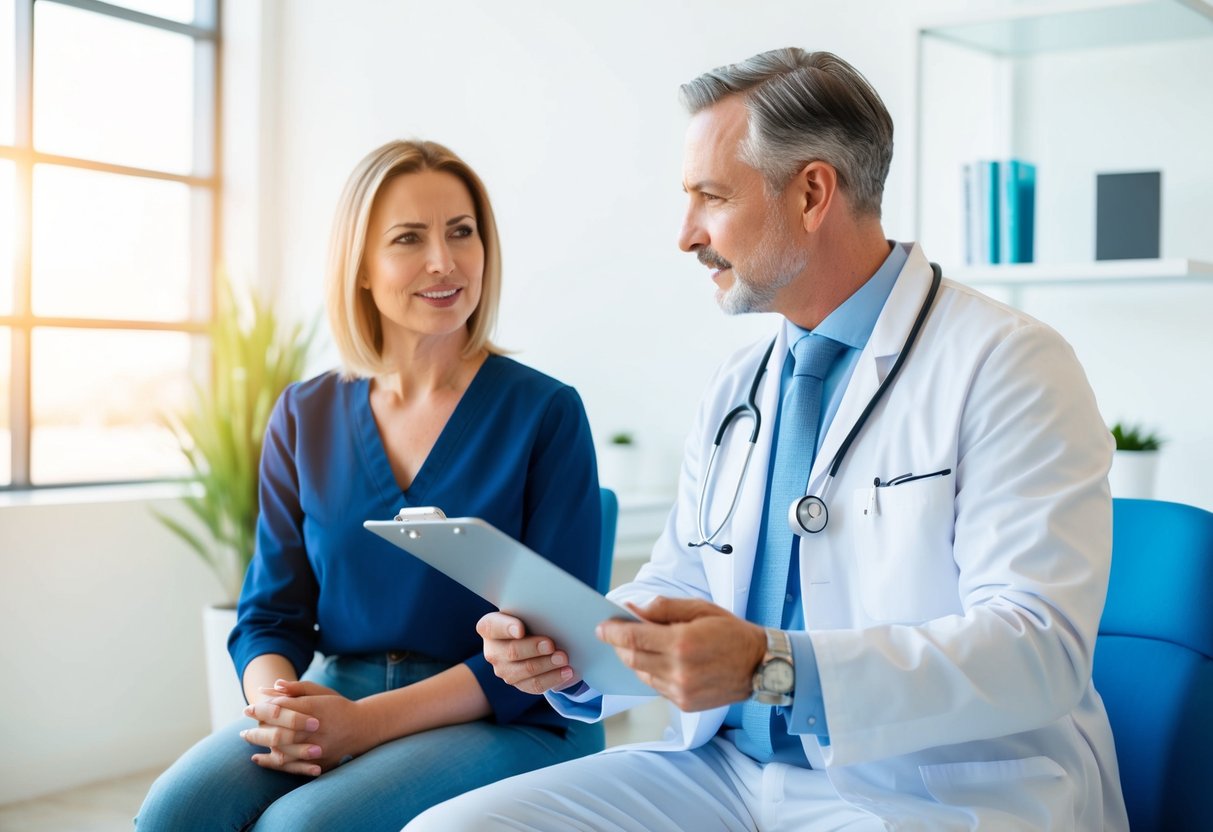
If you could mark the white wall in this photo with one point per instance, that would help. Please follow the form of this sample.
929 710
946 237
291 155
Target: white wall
1147 349
569 111
570 114
100 640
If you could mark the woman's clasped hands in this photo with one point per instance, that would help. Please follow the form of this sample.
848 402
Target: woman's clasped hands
308 728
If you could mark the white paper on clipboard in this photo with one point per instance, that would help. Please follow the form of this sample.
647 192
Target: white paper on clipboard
525 584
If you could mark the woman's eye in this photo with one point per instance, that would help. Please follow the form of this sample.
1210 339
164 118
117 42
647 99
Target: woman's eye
407 238
461 231
710 197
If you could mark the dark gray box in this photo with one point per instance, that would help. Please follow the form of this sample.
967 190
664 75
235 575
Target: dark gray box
1128 215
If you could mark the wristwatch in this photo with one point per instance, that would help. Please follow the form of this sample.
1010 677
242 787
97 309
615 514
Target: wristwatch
775 678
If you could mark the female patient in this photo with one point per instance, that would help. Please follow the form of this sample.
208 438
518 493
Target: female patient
404 712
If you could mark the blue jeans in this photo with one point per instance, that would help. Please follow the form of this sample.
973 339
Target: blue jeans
216 786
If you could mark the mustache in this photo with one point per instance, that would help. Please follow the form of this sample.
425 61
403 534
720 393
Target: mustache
709 257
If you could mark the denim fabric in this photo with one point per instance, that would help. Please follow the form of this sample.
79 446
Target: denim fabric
215 786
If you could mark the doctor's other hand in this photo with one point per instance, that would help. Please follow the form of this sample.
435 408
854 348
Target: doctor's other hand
532 664
692 652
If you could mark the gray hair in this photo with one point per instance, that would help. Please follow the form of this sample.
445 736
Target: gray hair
805 107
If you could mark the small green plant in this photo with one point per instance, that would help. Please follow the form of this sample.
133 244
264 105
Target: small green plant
622 438
256 355
1135 438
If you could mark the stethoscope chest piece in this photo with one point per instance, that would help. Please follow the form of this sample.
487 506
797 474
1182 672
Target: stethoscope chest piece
808 515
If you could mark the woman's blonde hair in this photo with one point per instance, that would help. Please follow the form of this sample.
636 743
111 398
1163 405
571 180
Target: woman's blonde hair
353 317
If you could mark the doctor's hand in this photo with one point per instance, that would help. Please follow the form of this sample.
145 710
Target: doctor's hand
532 664
692 652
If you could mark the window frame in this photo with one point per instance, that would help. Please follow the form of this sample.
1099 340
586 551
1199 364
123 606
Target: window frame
203 178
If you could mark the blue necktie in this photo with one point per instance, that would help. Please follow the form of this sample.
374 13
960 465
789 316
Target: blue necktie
795 448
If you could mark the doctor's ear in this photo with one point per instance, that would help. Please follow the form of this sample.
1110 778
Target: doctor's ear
815 186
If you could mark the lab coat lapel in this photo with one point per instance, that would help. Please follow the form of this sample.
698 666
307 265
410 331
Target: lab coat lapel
750 509
888 337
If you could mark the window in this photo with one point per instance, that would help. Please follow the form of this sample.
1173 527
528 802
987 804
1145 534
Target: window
108 233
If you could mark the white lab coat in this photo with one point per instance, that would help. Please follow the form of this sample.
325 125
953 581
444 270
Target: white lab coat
954 622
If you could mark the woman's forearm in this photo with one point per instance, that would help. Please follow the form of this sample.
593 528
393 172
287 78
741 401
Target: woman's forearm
447 698
262 672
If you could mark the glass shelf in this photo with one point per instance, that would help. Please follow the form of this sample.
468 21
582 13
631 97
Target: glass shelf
1099 272
1032 29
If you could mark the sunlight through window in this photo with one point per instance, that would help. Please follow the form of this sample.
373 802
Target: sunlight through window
129 260
111 90
107 235
8 86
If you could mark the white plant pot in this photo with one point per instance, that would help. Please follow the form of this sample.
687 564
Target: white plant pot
619 468
222 686
1133 474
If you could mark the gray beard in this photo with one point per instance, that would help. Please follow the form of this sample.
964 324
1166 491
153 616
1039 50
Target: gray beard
775 271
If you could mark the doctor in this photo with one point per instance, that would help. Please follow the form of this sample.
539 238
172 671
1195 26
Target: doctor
923 659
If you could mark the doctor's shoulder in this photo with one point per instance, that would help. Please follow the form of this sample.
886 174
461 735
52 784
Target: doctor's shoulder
966 319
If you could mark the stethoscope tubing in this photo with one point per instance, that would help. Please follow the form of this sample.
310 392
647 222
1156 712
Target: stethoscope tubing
747 408
750 408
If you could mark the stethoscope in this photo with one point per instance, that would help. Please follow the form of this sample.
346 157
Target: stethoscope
809 514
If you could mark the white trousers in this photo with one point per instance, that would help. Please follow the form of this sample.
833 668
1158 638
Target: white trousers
714 787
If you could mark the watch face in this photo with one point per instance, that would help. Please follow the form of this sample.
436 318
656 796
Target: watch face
778 676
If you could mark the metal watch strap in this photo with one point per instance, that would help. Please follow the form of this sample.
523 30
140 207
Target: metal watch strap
779 649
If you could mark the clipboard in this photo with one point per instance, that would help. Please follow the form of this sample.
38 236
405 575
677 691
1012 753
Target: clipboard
521 582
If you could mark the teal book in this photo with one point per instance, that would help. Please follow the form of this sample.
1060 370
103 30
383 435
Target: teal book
981 205
1017 210
989 229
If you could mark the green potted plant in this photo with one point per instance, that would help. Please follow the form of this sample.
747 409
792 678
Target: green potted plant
1135 461
618 462
255 356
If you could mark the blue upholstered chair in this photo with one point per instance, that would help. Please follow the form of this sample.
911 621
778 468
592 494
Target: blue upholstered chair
610 518
1154 661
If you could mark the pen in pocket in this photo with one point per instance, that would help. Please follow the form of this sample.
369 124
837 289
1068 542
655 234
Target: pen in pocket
873 507
904 478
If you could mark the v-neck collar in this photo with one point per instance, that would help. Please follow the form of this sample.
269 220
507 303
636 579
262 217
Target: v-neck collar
374 454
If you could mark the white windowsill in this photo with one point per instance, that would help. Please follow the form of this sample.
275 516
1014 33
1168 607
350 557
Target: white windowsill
76 495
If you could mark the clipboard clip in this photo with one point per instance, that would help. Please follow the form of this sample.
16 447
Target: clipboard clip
419 513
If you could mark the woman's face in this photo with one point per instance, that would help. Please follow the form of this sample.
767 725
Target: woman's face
424 259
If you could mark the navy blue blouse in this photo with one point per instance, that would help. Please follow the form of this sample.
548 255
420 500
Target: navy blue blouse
516 452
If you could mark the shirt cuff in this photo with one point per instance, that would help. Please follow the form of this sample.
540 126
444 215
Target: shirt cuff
581 702
807 714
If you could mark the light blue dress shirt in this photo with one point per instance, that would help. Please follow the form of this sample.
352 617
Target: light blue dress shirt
850 324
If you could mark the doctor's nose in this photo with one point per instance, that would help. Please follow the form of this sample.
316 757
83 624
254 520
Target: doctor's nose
692 236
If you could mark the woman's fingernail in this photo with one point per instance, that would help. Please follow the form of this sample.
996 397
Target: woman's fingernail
566 673
244 733
544 647
559 659
312 724
515 631
314 771
313 751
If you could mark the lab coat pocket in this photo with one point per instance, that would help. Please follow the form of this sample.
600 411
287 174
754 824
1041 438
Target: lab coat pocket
1030 793
903 550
